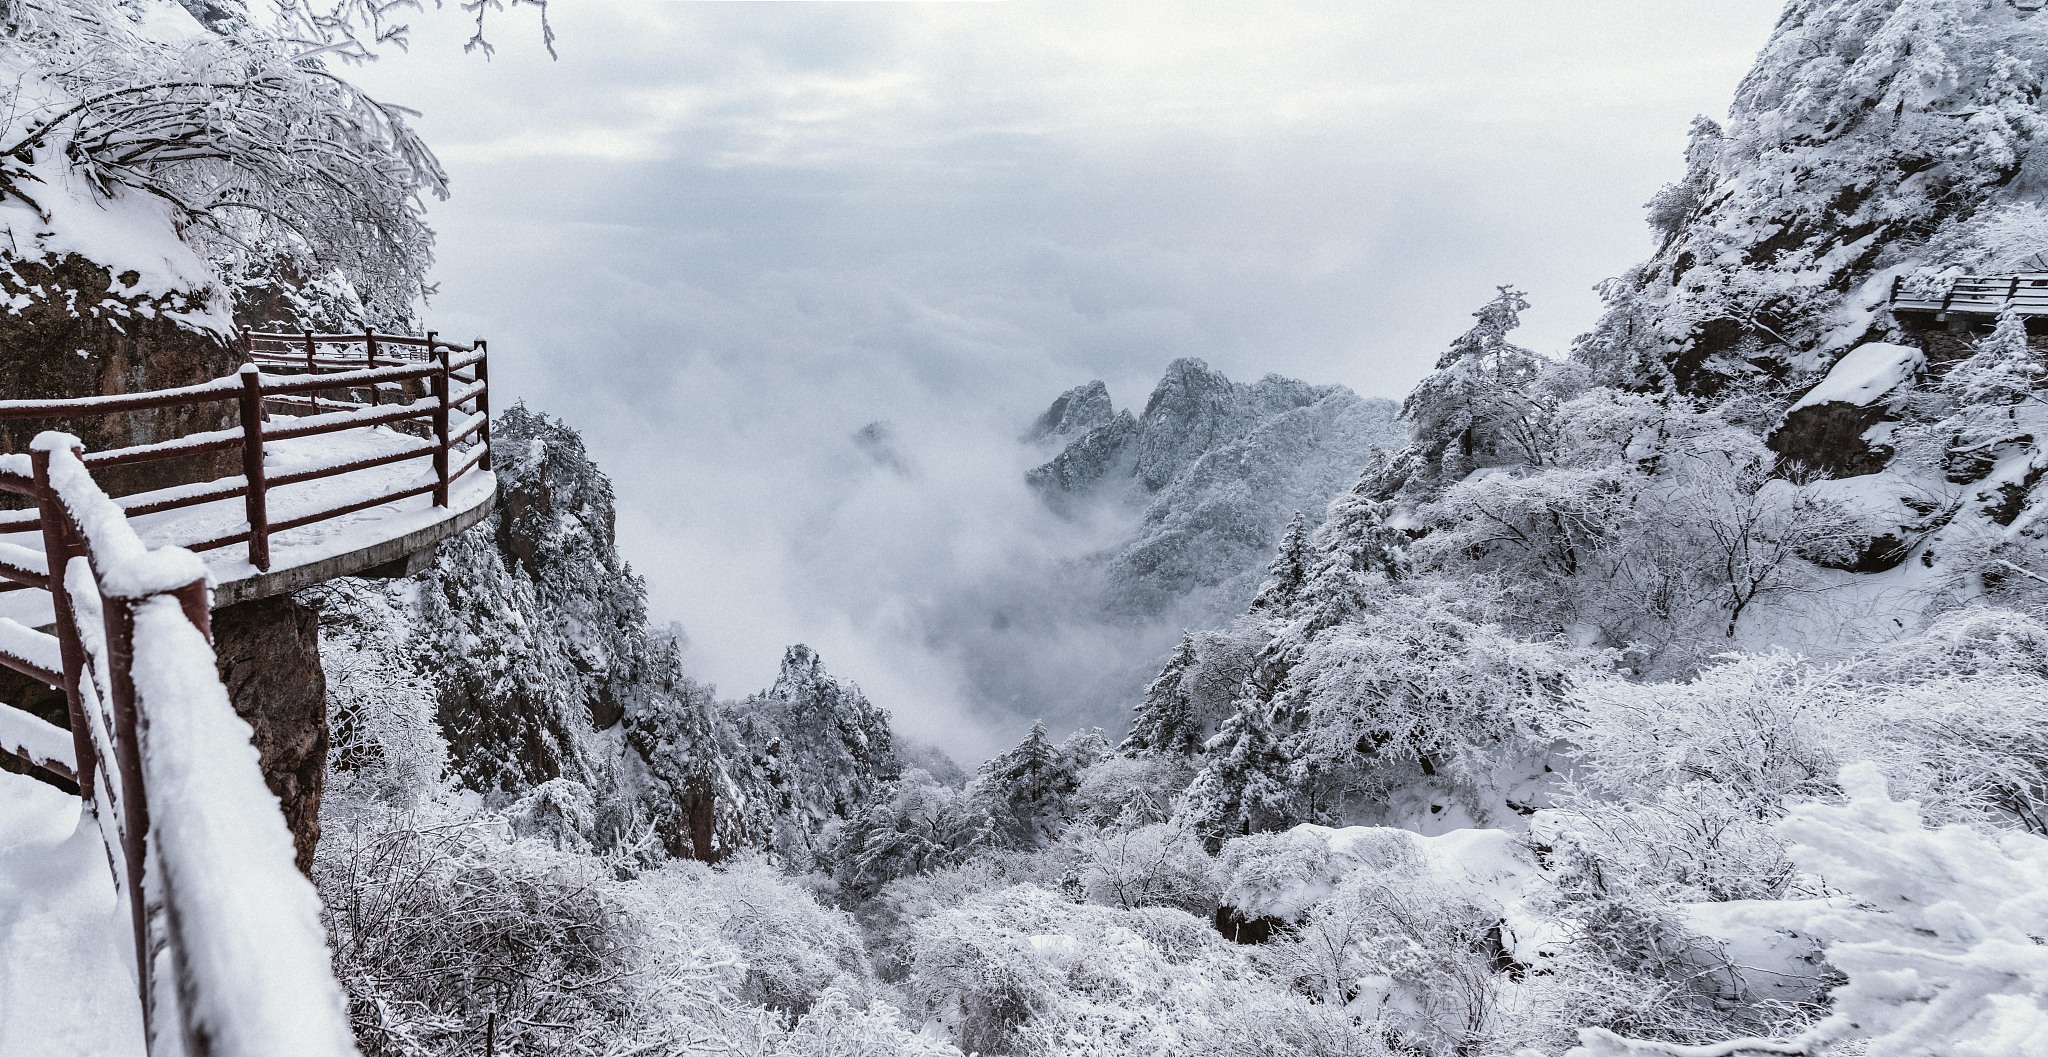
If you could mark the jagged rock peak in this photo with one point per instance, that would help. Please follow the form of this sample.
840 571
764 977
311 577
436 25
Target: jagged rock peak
1196 408
1078 410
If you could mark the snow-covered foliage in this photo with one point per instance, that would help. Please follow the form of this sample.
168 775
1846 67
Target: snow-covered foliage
813 751
1566 714
237 120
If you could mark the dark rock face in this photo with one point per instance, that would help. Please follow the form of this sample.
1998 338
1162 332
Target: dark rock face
77 330
1830 438
1104 453
1078 410
269 656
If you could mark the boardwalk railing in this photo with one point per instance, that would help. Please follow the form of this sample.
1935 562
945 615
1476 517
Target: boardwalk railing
439 392
1979 297
229 953
230 956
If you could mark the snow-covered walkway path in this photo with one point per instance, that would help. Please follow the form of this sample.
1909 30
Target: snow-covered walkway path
67 984
307 545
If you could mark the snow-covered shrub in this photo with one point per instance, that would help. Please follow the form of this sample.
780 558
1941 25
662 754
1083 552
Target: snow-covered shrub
1278 1023
1023 971
792 948
838 1026
1761 727
1158 864
559 811
384 738
888 914
914 826
440 919
1419 958
1132 789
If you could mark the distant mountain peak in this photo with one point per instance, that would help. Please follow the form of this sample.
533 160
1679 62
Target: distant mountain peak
1076 411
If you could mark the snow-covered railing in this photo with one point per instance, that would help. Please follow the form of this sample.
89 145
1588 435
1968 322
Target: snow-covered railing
442 394
1981 296
230 955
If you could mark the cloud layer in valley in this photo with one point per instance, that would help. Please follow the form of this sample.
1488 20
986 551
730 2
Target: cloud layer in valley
724 239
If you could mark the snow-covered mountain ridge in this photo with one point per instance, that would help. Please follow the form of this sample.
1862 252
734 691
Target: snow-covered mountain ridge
1216 467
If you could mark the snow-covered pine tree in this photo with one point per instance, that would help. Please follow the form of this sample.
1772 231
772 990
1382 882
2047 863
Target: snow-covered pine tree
1245 785
1027 790
1479 406
2003 370
1166 721
1288 570
812 750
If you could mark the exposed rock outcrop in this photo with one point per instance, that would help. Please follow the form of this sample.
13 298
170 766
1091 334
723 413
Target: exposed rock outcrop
74 328
1078 410
268 651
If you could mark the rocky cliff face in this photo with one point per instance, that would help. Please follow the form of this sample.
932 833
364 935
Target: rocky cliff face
1216 468
524 661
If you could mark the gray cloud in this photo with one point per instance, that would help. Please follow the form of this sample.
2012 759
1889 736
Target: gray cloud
723 238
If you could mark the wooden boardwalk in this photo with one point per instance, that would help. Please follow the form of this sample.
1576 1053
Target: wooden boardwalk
355 451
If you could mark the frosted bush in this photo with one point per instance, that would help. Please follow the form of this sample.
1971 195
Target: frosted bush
1405 951
1281 875
836 1026
1022 971
380 710
1161 864
439 922
792 948
1133 789
1685 842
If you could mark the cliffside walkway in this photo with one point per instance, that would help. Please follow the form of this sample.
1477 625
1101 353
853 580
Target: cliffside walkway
1971 299
148 895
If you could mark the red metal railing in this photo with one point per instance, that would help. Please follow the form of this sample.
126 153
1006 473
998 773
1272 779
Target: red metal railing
228 951
406 382
148 717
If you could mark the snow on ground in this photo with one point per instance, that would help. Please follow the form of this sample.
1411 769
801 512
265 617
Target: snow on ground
67 983
1865 375
307 544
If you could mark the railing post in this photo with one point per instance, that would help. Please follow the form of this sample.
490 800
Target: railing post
483 400
248 345
310 369
119 614
370 357
442 390
60 545
254 500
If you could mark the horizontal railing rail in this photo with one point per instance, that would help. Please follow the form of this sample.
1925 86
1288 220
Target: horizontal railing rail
1972 295
448 406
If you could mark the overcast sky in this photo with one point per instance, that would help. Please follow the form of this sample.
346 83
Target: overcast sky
722 237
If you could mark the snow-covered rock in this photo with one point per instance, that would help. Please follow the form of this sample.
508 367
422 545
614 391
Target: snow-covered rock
1217 467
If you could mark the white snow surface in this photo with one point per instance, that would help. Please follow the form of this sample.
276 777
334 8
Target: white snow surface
67 988
1865 375
129 232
